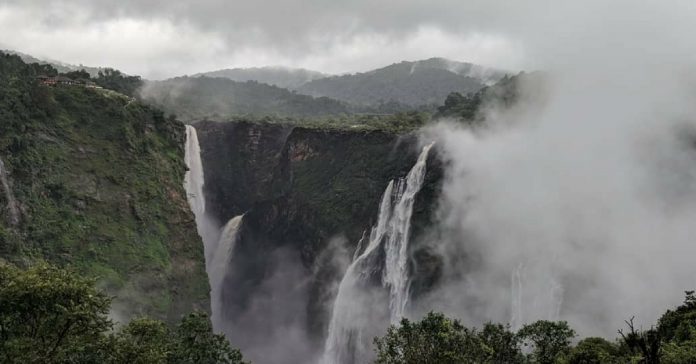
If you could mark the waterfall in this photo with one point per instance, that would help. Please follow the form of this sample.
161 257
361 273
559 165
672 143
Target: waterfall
355 309
12 208
193 183
540 300
193 179
217 244
217 268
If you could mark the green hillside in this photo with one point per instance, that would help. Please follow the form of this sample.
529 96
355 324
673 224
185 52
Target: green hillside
192 98
94 181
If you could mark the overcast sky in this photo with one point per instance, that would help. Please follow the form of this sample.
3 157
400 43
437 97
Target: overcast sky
160 38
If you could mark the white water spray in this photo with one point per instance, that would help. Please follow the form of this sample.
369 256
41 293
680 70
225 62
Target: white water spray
11 202
355 309
217 267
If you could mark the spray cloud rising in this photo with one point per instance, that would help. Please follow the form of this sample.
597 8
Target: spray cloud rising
581 204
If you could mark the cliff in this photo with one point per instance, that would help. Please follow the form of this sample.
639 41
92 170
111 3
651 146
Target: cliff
93 180
300 190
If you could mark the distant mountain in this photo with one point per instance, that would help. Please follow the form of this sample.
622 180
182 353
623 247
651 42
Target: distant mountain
195 98
409 83
277 76
486 75
61 67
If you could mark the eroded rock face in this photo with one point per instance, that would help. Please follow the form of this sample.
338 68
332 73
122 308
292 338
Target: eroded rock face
308 195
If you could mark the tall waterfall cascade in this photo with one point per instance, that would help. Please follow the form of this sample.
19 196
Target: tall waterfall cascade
218 244
12 208
349 339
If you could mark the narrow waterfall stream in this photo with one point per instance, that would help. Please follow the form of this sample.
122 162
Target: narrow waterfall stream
12 208
349 339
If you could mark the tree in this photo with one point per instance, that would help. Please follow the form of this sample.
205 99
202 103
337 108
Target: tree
645 346
679 324
435 339
197 344
548 339
78 75
502 345
594 350
143 341
119 82
52 315
49 315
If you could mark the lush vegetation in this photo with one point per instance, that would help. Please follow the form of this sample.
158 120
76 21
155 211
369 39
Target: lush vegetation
391 123
52 315
97 180
471 107
441 340
112 79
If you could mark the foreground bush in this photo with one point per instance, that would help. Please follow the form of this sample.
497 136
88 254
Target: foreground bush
439 339
51 315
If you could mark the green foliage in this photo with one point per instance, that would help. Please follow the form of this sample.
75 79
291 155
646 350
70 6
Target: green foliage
99 182
148 341
47 314
115 80
549 340
52 315
391 123
195 343
644 346
679 324
196 98
435 339
77 75
142 341
501 344
594 350
438 339
470 108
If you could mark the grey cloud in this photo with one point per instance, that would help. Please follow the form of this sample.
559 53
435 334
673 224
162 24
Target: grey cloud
337 36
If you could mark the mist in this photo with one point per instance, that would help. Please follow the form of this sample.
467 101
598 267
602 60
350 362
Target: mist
579 203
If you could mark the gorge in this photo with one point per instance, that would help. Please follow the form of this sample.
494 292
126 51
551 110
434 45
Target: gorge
298 232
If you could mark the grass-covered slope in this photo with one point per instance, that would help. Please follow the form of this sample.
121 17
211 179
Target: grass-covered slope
97 180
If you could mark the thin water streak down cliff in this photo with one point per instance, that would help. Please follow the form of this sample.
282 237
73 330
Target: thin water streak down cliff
12 208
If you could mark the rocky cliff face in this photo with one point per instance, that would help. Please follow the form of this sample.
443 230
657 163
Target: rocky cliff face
307 195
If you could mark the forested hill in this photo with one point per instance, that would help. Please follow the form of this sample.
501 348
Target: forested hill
193 98
93 179
290 78
409 83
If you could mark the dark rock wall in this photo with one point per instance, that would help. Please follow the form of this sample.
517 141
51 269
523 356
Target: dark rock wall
301 188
